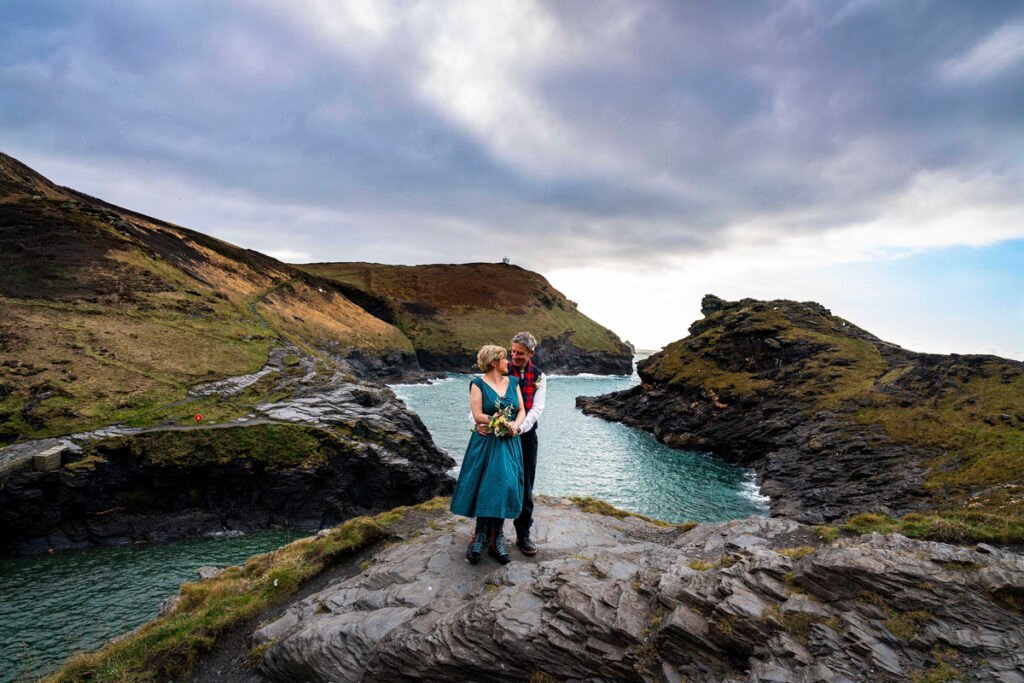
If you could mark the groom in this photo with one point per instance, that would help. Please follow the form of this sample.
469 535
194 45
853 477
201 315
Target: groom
534 388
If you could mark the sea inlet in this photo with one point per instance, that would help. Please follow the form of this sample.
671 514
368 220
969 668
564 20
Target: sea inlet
55 605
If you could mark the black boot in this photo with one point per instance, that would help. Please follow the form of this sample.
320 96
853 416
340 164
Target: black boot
476 546
496 548
525 544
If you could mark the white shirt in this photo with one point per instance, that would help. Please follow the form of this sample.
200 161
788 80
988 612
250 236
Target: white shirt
533 414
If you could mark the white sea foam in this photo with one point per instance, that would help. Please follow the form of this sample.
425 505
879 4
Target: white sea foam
753 492
585 375
430 382
230 533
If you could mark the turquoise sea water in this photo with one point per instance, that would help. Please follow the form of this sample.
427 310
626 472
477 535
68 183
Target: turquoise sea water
55 605
586 456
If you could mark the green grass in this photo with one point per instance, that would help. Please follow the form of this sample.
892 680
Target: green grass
168 647
275 446
705 565
955 526
945 670
460 307
599 507
906 625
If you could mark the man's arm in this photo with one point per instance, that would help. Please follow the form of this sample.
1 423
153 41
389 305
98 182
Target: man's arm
538 404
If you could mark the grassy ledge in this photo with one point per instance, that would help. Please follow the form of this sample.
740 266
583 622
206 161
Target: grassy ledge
599 507
945 526
167 647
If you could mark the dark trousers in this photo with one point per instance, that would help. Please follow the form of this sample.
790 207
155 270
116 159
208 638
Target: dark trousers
525 519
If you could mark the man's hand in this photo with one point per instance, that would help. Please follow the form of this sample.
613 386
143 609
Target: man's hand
481 429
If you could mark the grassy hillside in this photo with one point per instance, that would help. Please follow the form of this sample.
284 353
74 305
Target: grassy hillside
108 315
450 311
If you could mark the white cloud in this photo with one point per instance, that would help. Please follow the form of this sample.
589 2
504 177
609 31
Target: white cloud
1000 50
744 150
290 255
654 306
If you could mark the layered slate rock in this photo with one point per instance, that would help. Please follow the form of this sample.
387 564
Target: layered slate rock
335 449
623 599
834 420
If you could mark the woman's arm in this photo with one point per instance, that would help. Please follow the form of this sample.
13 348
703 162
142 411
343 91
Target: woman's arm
521 415
476 405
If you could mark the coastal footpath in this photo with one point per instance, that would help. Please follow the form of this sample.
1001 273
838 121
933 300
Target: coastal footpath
838 423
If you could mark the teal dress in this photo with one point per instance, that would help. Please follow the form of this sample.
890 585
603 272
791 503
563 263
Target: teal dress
491 479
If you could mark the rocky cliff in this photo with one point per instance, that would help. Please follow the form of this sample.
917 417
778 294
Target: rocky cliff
609 597
836 421
450 311
332 449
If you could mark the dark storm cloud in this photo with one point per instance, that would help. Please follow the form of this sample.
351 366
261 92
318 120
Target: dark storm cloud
624 129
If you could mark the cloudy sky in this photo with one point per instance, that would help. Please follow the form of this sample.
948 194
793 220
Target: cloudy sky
867 155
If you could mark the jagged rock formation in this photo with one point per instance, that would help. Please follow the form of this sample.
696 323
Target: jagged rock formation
333 449
834 420
622 599
449 311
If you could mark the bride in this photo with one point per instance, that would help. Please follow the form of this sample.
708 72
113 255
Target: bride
490 485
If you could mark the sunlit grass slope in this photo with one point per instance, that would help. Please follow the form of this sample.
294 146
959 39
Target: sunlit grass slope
453 309
109 316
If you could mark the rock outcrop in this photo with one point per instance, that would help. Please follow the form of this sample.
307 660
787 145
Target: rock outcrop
834 420
335 449
622 599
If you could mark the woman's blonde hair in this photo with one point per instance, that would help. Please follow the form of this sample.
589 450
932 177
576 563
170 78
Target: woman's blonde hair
487 354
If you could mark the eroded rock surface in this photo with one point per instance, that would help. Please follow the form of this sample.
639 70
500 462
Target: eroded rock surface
338 447
834 420
622 599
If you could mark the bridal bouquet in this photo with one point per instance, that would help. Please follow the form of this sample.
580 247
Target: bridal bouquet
501 423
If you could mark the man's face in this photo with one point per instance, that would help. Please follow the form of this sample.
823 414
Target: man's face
520 355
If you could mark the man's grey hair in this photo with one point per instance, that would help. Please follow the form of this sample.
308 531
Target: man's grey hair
527 340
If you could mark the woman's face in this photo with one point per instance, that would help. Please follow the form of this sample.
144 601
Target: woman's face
502 365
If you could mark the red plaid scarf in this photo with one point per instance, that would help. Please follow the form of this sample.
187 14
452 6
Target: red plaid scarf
527 382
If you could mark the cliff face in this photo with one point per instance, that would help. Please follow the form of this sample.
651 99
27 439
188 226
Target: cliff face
450 311
118 329
332 451
834 420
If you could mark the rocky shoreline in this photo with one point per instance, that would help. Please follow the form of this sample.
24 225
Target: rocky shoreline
812 403
336 449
